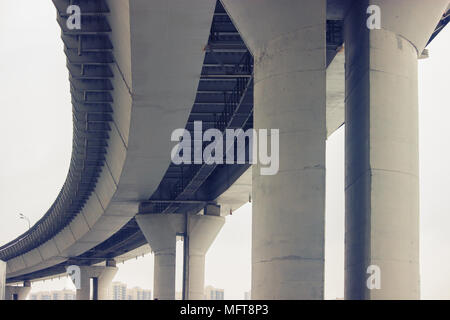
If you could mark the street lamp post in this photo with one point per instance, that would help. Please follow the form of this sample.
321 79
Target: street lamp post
21 216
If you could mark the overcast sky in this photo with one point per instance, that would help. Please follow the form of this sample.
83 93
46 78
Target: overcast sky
36 137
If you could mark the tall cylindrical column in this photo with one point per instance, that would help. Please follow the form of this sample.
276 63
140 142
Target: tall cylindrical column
2 280
196 277
382 159
84 292
203 229
288 42
164 274
104 281
161 230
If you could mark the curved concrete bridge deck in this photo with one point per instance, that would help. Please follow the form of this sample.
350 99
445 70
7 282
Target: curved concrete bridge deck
131 87
149 91
139 70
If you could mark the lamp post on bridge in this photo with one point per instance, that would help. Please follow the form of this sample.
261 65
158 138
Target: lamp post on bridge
22 216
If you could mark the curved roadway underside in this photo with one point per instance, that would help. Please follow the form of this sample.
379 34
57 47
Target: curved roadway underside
139 70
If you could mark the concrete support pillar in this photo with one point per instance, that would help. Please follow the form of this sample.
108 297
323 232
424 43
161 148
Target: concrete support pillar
103 277
18 292
161 230
104 281
382 170
288 42
2 279
84 292
203 229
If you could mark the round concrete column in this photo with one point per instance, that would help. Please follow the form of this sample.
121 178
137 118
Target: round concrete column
2 280
203 229
164 274
288 42
103 275
84 293
104 282
161 230
382 159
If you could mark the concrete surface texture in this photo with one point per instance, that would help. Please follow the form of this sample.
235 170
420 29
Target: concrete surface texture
103 275
159 48
151 99
203 230
382 172
120 185
161 231
18 292
287 39
336 93
2 279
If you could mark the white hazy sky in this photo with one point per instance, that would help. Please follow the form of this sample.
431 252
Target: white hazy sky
36 133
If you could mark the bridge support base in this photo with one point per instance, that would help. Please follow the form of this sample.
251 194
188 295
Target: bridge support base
102 278
161 231
203 229
288 42
18 293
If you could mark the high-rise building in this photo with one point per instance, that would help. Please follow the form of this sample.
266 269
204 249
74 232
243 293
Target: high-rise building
212 293
121 292
54 295
137 293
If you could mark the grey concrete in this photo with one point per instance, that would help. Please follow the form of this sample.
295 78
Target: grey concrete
18 292
238 194
145 114
382 163
231 200
212 209
287 39
133 254
2 279
161 230
203 230
336 93
104 282
83 293
104 276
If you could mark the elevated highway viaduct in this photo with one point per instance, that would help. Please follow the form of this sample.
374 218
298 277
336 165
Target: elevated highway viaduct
139 70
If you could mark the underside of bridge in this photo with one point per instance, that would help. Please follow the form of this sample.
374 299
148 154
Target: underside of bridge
224 99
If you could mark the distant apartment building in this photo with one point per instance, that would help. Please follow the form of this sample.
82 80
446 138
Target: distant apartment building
212 293
41 296
53 295
137 293
119 291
